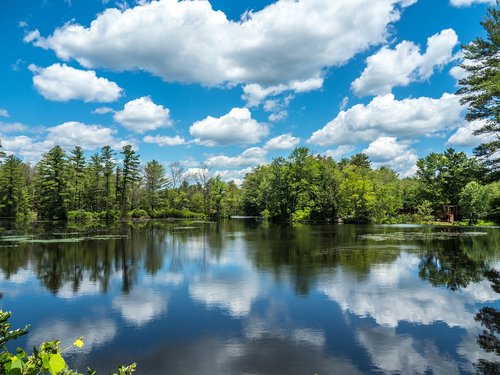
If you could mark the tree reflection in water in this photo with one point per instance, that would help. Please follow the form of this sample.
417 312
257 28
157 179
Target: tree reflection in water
456 265
489 317
301 255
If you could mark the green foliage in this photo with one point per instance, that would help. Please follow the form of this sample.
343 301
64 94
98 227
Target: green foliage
474 201
388 196
128 177
357 195
81 215
302 187
47 359
442 176
52 184
138 214
14 195
77 178
307 187
173 213
424 212
302 215
155 181
480 89
108 166
2 154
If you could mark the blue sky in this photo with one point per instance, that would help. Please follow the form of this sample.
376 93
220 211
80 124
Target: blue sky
236 83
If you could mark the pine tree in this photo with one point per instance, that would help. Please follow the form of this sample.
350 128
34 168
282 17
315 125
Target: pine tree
130 175
13 189
52 185
108 166
480 89
2 154
94 182
155 181
77 173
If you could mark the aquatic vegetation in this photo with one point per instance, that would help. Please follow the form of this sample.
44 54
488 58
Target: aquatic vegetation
23 239
414 236
14 238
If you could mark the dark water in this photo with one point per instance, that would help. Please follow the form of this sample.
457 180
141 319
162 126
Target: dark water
246 298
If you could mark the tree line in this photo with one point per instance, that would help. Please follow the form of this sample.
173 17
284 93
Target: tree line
316 188
69 186
302 187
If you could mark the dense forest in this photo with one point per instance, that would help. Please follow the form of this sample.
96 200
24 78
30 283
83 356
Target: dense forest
302 187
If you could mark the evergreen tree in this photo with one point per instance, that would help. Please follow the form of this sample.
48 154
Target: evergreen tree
2 154
77 176
94 183
480 89
108 166
14 198
130 176
52 185
155 182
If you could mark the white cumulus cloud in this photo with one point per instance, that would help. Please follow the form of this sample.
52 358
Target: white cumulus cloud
235 175
466 3
339 152
141 115
102 110
75 133
404 64
250 157
235 127
254 94
388 151
282 142
11 127
62 83
4 113
387 116
189 41
163 140
464 135
66 135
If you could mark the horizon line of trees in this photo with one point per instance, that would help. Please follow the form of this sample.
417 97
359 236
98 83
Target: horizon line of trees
302 187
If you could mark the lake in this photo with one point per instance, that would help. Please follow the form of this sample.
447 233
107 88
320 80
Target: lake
245 297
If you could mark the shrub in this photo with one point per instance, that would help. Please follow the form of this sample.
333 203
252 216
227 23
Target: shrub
168 213
81 215
138 214
301 215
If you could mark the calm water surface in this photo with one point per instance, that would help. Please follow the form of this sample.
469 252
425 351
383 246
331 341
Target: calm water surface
243 297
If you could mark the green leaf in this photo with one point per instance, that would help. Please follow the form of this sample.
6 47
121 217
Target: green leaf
46 360
56 363
20 353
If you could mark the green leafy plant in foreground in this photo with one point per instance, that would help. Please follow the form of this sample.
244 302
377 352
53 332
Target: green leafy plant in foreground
47 359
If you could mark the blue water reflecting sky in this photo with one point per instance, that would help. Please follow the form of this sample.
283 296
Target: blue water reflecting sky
210 300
